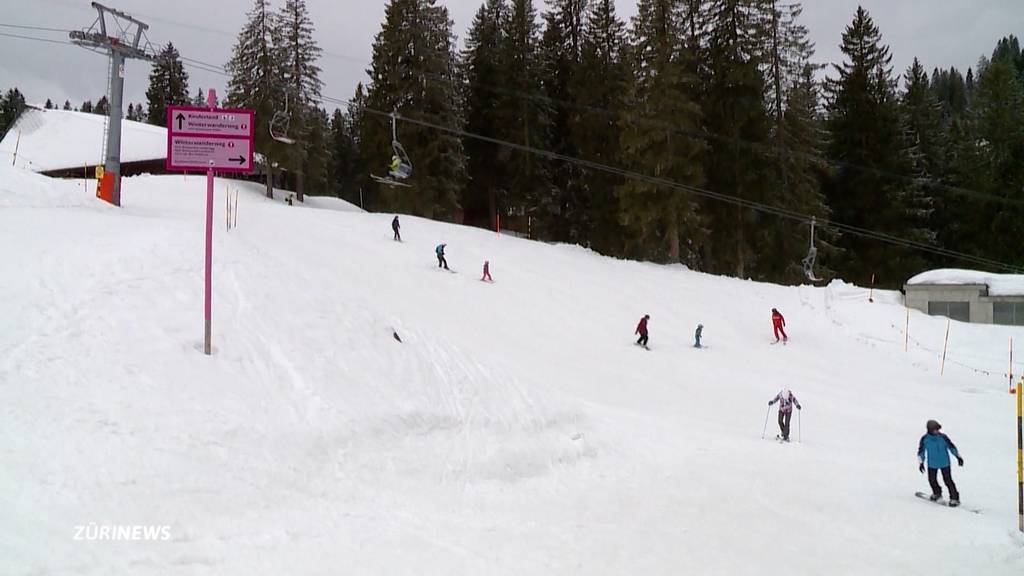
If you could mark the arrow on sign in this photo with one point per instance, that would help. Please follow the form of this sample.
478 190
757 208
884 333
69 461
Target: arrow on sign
180 118
240 160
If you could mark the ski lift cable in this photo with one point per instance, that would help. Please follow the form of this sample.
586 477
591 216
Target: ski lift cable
758 206
765 208
769 148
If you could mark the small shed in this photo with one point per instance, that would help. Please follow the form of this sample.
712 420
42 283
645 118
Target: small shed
968 296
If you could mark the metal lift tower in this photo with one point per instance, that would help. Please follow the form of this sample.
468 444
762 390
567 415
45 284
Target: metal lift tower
121 37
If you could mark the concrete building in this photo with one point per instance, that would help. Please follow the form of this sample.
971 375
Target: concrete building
968 296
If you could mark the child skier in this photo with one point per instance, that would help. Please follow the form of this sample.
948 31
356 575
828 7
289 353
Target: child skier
641 329
936 446
696 335
487 272
396 227
786 401
779 324
440 256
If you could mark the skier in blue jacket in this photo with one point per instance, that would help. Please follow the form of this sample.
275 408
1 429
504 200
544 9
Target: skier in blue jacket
441 262
936 446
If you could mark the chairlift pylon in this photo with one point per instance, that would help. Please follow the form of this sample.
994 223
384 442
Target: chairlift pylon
812 255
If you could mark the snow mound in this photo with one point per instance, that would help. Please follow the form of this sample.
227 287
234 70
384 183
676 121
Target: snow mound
514 429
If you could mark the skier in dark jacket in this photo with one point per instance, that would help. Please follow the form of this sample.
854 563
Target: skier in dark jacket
935 447
396 227
641 329
440 256
786 401
697 335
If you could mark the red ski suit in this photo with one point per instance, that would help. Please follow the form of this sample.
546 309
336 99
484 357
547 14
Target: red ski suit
779 324
641 328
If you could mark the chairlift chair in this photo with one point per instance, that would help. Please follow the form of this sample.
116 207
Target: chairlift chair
812 255
403 168
279 125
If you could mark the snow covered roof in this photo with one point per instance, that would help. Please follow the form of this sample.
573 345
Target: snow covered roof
998 284
62 139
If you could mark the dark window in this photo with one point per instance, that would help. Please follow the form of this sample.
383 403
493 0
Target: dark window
956 310
1008 313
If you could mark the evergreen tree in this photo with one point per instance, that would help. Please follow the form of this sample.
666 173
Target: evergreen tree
67 105
168 85
866 140
413 73
87 107
922 115
525 118
355 171
49 104
561 57
483 85
11 106
102 107
734 112
659 220
298 54
255 82
601 88
343 158
316 168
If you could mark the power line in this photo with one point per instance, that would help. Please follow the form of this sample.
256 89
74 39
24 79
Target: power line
662 182
40 28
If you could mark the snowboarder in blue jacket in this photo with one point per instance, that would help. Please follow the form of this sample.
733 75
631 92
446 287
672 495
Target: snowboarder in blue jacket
936 446
440 256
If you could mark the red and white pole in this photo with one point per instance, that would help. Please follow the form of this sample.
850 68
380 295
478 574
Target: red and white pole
211 99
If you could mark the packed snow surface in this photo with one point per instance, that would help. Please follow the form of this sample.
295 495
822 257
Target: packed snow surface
46 140
515 429
998 284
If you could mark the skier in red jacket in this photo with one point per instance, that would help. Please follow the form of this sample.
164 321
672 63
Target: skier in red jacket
779 323
641 329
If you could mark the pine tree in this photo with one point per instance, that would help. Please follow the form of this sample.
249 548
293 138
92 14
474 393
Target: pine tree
413 73
67 105
922 115
866 140
298 54
11 106
561 57
660 220
49 104
483 86
601 88
87 107
734 112
343 158
102 106
524 118
168 85
256 82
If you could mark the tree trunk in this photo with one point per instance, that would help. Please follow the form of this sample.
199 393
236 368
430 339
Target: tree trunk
298 187
270 178
673 238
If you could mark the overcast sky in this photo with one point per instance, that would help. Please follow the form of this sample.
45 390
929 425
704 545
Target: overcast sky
940 32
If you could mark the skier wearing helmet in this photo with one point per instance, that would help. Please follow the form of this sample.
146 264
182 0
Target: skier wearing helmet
935 448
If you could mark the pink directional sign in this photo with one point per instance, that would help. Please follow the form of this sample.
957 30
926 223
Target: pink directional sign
203 138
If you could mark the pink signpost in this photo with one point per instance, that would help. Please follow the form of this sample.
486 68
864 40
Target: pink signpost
217 140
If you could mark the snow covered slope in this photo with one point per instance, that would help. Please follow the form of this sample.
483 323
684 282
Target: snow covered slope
516 429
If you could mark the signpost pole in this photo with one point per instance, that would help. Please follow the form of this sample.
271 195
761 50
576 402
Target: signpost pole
211 98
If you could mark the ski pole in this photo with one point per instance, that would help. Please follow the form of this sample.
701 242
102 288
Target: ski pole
766 414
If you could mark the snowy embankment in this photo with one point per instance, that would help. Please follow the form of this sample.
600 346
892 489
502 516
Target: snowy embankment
515 429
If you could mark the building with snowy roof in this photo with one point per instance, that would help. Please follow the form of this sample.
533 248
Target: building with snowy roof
63 143
968 296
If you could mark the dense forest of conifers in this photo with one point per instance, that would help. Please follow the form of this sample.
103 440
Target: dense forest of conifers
701 131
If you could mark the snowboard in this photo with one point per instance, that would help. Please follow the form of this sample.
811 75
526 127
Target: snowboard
642 346
783 342
944 502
